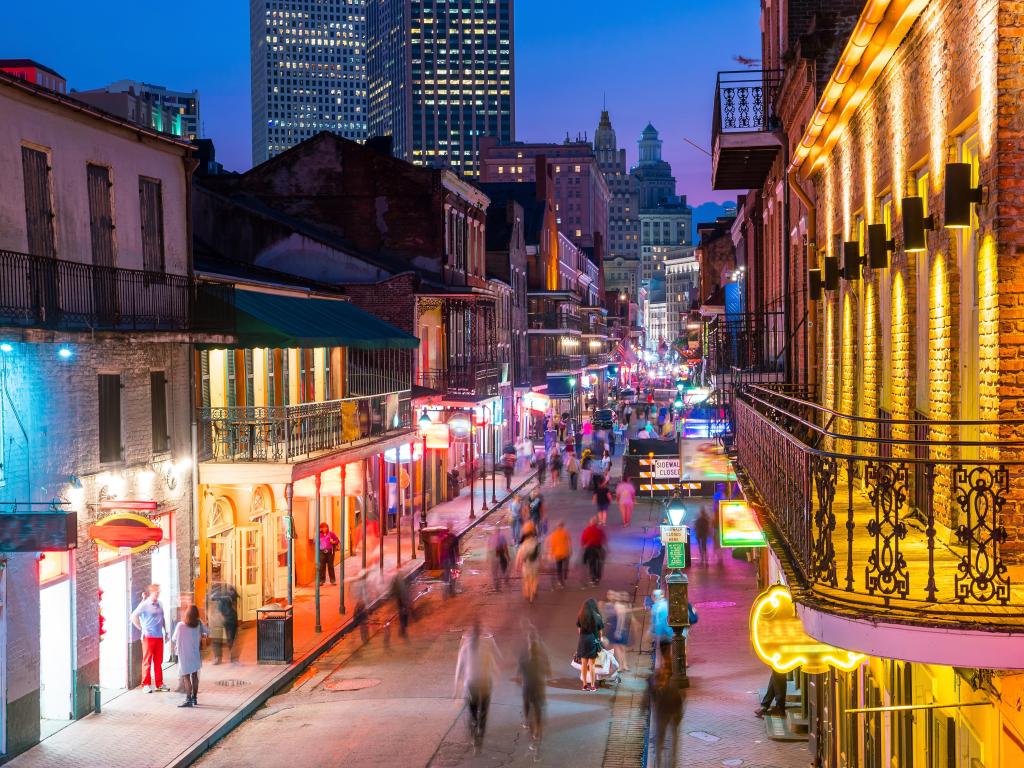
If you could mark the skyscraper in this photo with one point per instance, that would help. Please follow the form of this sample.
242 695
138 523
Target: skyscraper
440 76
308 71
653 175
623 222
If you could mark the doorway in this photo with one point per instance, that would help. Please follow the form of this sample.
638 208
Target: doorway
249 576
55 655
113 584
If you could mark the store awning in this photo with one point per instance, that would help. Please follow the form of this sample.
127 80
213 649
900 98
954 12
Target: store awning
276 320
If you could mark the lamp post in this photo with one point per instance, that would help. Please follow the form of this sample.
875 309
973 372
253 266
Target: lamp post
424 424
483 456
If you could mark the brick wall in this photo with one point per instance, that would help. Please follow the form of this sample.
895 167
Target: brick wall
393 301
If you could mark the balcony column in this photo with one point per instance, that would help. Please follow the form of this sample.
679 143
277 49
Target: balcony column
288 491
366 502
412 500
316 510
382 510
343 529
399 506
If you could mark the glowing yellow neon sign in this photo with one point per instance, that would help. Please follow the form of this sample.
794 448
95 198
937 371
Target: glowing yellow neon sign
780 641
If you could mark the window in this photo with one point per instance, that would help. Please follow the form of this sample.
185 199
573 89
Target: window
151 213
110 417
35 167
158 411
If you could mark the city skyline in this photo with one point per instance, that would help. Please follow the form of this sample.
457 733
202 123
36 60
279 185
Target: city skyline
672 87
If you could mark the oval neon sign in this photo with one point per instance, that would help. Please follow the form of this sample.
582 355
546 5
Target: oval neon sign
126 530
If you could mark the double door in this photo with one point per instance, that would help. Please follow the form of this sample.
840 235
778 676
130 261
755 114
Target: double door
236 558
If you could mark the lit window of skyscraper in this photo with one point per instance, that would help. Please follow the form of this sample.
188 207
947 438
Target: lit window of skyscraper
308 71
440 76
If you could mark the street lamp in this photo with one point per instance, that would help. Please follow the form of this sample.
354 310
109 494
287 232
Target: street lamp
425 422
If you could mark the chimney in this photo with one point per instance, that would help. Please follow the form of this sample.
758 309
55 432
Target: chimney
380 144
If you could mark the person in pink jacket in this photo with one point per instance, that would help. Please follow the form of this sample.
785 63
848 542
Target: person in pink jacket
625 496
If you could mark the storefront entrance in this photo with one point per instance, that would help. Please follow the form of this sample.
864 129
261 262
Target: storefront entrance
55 659
113 584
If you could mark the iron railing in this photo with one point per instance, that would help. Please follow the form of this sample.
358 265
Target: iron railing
468 380
557 363
744 101
901 517
52 293
594 328
552 321
293 432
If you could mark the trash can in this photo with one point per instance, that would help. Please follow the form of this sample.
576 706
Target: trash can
432 539
274 634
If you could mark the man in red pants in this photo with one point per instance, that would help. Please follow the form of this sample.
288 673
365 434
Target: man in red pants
148 618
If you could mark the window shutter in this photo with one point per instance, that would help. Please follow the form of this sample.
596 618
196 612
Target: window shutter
271 378
249 382
204 378
151 214
158 410
232 379
110 417
35 167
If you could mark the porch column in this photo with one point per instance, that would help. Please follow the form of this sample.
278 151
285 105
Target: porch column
343 525
412 500
400 505
291 538
316 508
382 510
366 502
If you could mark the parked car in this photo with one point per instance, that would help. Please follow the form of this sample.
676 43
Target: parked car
604 418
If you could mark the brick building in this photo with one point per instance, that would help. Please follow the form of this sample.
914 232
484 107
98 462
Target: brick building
716 256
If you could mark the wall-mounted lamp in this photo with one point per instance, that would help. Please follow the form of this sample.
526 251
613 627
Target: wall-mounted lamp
831 272
915 224
852 260
879 246
815 285
959 196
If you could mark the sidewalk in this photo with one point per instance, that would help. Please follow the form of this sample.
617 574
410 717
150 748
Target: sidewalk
141 730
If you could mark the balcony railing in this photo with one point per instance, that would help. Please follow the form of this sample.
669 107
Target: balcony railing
595 328
51 293
743 126
552 321
902 518
471 380
294 432
557 363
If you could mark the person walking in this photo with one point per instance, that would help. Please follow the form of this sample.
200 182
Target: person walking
625 497
498 546
586 462
660 632
328 543
602 499
508 465
702 530
666 707
528 561
534 671
361 598
403 603
515 517
776 694
594 541
542 469
148 618
474 670
222 612
556 466
560 545
572 466
537 509
187 639
590 625
619 623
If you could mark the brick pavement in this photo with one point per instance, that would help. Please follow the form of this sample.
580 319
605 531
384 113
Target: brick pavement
140 730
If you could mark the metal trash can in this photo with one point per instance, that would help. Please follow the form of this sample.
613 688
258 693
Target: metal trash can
433 539
274 634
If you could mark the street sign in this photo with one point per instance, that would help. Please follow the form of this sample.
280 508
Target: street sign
675 554
674 533
667 468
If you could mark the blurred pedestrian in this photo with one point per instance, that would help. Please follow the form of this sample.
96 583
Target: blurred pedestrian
666 707
515 517
534 671
542 468
474 670
556 466
594 541
572 466
660 632
508 465
499 557
590 625
187 639
602 500
222 612
360 596
619 621
537 509
625 497
585 468
560 544
451 554
528 561
702 530
403 603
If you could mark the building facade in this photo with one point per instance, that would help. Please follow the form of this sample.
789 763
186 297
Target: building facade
153 106
665 232
652 175
34 72
623 204
440 77
682 282
308 70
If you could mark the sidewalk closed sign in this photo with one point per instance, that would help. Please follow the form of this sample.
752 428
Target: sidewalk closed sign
675 538
667 468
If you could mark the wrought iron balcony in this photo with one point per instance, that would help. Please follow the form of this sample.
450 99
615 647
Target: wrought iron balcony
552 321
594 327
557 363
899 520
744 128
295 432
469 381
51 293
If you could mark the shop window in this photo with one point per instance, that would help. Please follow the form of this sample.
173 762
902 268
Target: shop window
53 566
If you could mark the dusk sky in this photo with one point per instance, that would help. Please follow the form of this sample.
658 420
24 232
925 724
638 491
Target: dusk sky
653 60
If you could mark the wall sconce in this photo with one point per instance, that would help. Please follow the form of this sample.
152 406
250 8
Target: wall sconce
831 272
915 224
879 246
852 260
815 285
959 195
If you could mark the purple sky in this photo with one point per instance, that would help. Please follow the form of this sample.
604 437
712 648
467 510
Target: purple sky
654 60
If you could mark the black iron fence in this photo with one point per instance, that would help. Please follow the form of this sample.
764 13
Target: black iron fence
908 517
468 380
294 432
552 321
744 101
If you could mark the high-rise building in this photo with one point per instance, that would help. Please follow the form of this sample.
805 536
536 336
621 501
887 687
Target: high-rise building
665 232
654 179
154 106
623 207
308 71
440 76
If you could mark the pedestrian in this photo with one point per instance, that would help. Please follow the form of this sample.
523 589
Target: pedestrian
619 624
594 541
528 561
450 554
187 639
602 500
585 468
702 530
328 543
556 466
360 613
572 466
625 497
508 465
475 669
666 707
776 693
499 558
148 618
515 517
223 614
560 545
590 625
537 509
611 441
403 603
534 671
542 469
660 632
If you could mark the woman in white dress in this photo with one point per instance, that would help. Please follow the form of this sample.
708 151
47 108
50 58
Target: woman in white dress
187 644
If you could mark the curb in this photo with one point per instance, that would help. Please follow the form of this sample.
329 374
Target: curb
296 668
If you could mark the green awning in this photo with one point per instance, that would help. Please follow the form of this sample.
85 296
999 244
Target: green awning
274 320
